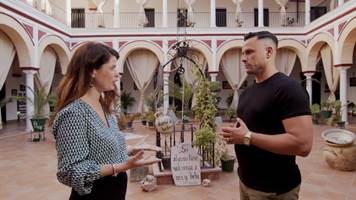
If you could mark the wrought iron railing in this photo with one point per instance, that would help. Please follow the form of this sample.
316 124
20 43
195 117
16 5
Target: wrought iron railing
200 20
184 132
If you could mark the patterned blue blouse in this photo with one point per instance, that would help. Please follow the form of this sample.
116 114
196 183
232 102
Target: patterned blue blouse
84 143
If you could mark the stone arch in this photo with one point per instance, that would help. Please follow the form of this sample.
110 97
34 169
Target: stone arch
297 47
127 48
59 46
20 38
226 46
205 50
315 46
347 42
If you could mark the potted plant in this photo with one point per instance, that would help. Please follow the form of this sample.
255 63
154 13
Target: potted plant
227 160
126 101
39 117
326 110
130 118
315 110
337 115
143 119
150 118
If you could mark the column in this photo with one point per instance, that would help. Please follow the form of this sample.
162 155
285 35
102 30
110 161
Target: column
309 85
213 76
165 91
307 12
29 97
30 2
212 13
116 19
165 76
260 13
343 92
165 13
69 13
215 66
341 2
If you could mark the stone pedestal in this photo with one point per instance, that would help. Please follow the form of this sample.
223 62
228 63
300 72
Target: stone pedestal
165 177
340 157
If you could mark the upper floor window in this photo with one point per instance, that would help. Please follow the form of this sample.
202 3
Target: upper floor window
220 17
78 17
150 14
316 12
265 17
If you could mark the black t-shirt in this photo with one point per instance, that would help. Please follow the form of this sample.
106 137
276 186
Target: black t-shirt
262 107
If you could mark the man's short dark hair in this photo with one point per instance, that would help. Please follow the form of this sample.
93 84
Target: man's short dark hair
262 35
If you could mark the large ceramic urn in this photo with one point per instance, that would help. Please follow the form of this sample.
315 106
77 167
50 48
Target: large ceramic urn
340 150
164 123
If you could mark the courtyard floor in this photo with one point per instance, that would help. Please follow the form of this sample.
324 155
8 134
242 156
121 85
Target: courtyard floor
28 171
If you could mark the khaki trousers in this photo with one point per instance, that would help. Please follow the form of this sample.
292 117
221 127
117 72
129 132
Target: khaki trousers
247 193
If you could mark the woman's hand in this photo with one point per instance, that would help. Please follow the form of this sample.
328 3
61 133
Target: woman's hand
137 160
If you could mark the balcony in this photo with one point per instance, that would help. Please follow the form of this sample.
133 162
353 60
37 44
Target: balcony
200 20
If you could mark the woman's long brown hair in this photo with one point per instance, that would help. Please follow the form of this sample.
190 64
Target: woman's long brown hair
76 82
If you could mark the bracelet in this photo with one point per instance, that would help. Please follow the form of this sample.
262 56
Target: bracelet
113 169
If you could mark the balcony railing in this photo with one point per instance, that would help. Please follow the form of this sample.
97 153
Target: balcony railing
200 20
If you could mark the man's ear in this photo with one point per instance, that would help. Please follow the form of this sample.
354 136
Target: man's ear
269 52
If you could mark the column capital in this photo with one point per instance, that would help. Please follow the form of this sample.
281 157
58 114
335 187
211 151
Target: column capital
308 73
343 65
29 69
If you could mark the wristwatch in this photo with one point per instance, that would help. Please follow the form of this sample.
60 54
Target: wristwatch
247 138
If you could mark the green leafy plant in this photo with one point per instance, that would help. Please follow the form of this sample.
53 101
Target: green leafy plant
205 111
126 100
315 110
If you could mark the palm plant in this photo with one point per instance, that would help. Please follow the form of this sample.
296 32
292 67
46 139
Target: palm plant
127 100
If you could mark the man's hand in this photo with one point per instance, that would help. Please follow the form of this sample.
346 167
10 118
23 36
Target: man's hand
234 135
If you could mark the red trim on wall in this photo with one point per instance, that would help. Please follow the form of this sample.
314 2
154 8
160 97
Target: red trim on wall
219 42
171 42
208 42
159 42
307 72
121 43
29 68
341 26
72 44
40 34
343 65
165 35
109 44
29 29
331 31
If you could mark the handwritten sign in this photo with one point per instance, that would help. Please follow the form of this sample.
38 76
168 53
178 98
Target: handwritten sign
185 165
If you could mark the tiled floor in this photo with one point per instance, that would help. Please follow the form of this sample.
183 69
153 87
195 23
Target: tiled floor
27 171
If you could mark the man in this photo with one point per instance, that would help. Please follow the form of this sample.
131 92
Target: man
274 125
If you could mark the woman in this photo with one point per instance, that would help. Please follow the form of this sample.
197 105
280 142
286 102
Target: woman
92 154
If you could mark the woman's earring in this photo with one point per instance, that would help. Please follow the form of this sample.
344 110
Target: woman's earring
91 84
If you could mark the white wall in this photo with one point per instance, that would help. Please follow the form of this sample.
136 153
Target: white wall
13 82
